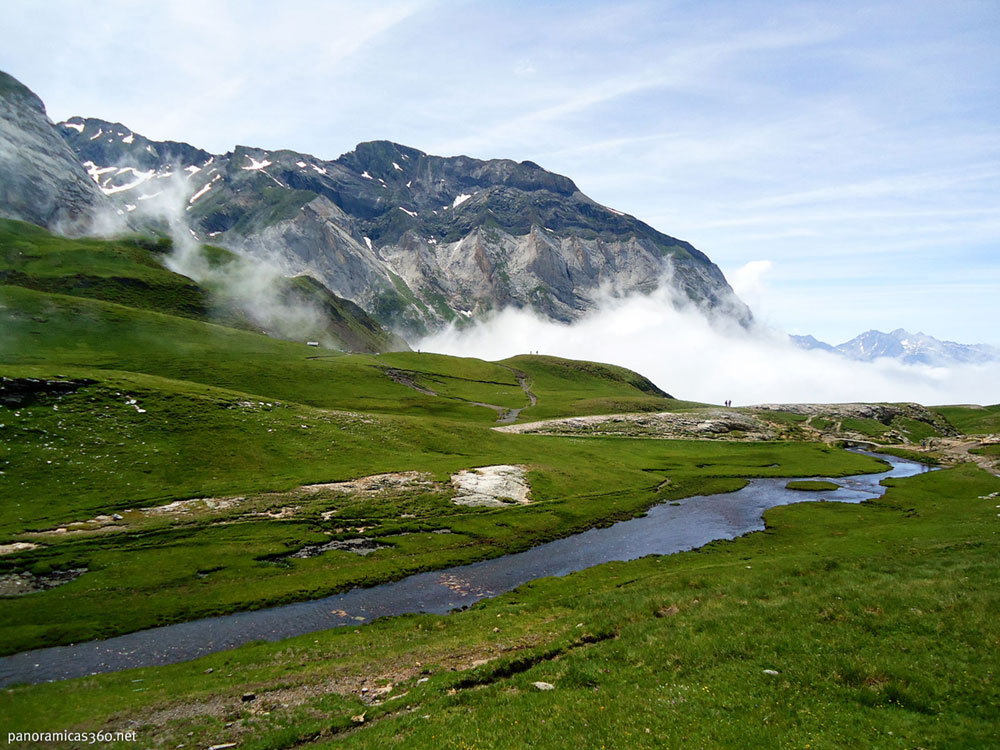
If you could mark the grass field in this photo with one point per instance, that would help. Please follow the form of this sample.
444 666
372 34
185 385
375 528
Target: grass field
116 400
841 626
972 420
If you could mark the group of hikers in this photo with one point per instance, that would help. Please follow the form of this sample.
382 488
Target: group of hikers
728 402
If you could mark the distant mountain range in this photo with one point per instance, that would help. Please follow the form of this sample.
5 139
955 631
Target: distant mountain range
911 348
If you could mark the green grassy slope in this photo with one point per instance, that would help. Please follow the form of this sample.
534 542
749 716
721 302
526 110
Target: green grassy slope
874 618
574 388
127 271
131 272
972 420
841 626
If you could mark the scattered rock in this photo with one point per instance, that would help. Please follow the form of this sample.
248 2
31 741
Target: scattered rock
359 546
359 719
25 582
771 671
247 697
544 685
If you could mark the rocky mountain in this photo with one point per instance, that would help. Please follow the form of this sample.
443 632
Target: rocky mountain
41 180
911 348
415 239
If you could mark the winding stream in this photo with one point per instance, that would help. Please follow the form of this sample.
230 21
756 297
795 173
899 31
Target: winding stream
665 529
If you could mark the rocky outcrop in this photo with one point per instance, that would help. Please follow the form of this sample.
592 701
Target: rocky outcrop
41 179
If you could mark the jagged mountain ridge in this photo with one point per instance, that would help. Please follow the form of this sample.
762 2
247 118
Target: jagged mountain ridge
415 239
911 348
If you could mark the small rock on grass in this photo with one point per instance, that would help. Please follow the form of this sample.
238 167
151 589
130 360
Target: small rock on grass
544 685
771 671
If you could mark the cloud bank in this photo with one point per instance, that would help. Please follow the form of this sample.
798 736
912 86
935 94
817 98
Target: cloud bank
703 358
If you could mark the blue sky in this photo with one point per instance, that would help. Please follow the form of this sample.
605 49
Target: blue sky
839 160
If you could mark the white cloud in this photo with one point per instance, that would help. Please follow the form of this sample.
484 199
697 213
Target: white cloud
748 281
691 357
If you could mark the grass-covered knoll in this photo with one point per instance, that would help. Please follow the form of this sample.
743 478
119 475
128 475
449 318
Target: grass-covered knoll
841 626
811 485
987 450
573 388
972 420
128 271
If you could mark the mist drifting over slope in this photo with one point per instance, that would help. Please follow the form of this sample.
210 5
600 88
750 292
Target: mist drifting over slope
252 286
711 358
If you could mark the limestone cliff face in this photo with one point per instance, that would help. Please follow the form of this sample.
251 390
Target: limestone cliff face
415 239
41 179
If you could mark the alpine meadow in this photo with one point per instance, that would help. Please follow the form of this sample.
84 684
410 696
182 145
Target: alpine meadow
399 450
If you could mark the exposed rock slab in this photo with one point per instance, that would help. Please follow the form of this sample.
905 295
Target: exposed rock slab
492 486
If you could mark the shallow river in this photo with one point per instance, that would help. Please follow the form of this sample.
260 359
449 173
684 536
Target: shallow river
667 528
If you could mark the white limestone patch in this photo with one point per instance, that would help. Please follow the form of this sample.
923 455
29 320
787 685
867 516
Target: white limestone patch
376 483
492 486
460 200
183 507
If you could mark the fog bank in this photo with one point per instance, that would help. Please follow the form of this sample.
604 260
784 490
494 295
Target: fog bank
694 357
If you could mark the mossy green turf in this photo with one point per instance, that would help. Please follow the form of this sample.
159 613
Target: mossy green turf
878 620
809 485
